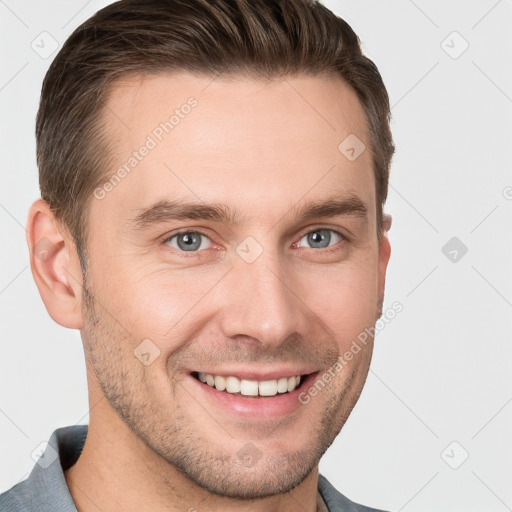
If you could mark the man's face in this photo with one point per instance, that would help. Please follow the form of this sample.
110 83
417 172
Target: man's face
264 296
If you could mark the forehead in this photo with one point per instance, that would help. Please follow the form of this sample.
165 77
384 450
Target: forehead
235 140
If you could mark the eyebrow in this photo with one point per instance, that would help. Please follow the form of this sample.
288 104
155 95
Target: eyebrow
165 210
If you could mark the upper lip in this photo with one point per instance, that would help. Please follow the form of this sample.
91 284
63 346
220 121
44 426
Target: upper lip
262 375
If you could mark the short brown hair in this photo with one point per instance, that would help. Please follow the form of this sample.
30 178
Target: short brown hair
253 38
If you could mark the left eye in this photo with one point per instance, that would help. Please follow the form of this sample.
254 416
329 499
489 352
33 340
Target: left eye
320 238
189 241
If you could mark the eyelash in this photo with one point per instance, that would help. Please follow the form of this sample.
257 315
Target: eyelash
188 254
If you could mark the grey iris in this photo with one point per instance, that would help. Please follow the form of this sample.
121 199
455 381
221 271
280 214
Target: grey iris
318 237
189 241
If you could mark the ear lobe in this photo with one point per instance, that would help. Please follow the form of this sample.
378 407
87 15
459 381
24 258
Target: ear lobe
55 266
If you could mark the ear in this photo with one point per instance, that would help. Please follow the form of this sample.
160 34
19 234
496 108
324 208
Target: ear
384 254
55 266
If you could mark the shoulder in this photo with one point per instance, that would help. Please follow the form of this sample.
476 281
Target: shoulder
336 502
17 499
45 489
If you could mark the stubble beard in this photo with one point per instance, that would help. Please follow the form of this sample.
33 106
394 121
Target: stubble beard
177 439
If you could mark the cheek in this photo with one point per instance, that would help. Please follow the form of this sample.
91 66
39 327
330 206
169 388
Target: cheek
164 304
156 303
347 300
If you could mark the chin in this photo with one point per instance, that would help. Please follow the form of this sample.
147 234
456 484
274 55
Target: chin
268 476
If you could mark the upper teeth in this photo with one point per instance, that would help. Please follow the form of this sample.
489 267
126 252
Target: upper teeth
250 387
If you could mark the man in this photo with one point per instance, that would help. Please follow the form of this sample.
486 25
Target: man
213 176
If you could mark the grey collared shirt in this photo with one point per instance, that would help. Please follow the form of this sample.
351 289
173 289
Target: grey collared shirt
45 489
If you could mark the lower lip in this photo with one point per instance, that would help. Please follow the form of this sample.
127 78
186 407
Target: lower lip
276 406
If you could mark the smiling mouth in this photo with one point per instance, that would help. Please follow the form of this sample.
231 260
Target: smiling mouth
250 388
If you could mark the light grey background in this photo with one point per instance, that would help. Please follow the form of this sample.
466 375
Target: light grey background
442 368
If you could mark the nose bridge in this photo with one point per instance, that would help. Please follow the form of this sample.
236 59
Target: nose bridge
261 305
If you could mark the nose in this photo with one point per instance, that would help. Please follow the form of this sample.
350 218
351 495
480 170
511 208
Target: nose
260 303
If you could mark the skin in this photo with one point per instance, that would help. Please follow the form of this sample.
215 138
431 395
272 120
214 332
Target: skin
154 442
